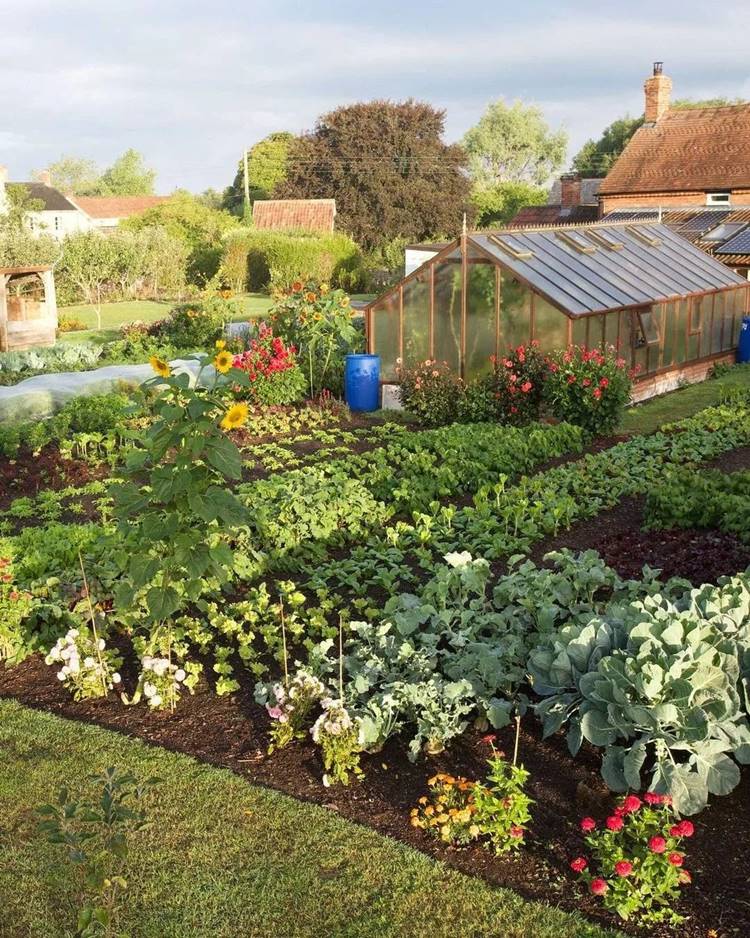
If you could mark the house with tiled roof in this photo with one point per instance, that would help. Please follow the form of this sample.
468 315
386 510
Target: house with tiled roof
571 200
295 214
106 212
690 168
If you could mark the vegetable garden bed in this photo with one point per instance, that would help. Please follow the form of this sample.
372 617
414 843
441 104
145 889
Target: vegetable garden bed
347 515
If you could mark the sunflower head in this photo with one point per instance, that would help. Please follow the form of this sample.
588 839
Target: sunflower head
220 344
223 361
345 300
310 297
324 289
160 366
234 417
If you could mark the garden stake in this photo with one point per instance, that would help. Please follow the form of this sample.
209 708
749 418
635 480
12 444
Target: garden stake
518 733
341 658
93 624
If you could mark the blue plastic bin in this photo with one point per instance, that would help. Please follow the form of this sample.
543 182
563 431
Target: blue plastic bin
362 382
743 346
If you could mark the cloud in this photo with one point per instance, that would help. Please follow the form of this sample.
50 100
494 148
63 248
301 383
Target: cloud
189 84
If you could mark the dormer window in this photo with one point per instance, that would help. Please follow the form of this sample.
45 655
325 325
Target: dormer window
718 198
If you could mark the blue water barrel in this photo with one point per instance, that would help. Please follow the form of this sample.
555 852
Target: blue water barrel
743 346
362 382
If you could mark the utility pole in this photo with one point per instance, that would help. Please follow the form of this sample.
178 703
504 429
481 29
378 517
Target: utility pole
247 185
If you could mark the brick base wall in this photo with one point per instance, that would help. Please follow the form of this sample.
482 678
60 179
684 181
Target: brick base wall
653 385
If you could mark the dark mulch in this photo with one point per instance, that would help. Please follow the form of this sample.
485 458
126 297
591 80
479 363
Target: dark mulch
31 473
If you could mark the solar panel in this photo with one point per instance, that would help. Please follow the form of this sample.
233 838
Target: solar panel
703 221
724 232
739 244
623 215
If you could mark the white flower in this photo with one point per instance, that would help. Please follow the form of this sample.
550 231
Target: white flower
149 689
102 644
179 675
65 653
155 701
61 676
89 662
147 662
74 666
116 678
160 667
456 559
326 781
73 634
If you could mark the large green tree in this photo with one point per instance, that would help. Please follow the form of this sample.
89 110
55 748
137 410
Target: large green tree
19 246
388 168
496 205
72 174
266 169
128 175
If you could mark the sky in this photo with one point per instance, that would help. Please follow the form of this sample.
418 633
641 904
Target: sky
189 84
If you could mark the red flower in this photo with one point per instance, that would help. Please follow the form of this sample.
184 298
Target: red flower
652 798
586 382
578 865
597 393
614 822
685 877
685 829
604 383
6 578
526 387
675 859
657 845
631 803
489 739
571 379
623 868
516 831
588 824
599 886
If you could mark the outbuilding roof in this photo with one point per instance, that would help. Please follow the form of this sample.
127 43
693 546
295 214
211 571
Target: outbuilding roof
290 214
118 206
586 269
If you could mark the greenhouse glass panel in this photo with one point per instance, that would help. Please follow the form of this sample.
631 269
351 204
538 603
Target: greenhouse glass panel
417 319
678 312
550 325
386 328
515 313
717 321
612 330
579 331
480 319
447 318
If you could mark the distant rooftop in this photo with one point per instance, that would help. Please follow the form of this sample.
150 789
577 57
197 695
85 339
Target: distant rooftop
290 214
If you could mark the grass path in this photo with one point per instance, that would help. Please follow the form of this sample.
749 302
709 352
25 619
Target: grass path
224 859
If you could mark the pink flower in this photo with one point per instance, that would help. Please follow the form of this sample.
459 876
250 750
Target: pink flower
588 824
489 739
657 845
516 831
623 868
684 829
586 382
614 822
599 886
579 864
685 877
675 859
631 803
274 712
526 387
652 798
597 393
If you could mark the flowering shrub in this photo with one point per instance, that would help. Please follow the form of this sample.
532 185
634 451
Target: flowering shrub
88 669
196 325
271 366
318 322
459 811
588 388
161 682
431 391
518 383
638 857
289 706
337 734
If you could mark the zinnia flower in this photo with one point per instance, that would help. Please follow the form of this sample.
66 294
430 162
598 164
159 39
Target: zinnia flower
675 859
614 822
588 824
685 877
234 417
310 297
599 886
223 362
160 366
657 845
623 868
516 831
684 829
578 865
597 393
631 803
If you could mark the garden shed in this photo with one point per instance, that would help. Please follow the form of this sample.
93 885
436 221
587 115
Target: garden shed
28 308
670 309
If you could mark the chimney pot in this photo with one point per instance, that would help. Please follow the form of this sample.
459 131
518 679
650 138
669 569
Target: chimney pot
658 89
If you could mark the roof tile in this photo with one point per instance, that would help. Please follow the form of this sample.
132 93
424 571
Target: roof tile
288 214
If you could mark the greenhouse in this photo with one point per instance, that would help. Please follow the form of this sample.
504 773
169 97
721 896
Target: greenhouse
663 303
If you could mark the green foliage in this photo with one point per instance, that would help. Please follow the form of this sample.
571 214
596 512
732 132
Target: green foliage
128 175
597 157
87 667
73 174
689 498
432 391
391 172
266 170
259 259
588 388
513 143
337 734
19 246
639 859
198 324
95 836
495 204
517 384
199 228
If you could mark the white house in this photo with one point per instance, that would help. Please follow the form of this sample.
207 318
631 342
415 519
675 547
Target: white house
66 214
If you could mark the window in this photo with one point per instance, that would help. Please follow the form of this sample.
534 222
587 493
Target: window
604 239
648 333
576 241
724 232
717 198
644 235
512 246
57 222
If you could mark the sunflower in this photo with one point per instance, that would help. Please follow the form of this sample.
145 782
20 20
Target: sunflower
310 297
297 287
223 361
324 289
234 417
160 366
220 344
345 300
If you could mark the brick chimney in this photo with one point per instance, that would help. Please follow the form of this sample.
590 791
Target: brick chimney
570 190
45 178
658 88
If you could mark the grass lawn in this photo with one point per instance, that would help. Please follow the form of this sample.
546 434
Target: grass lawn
114 314
649 416
224 859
